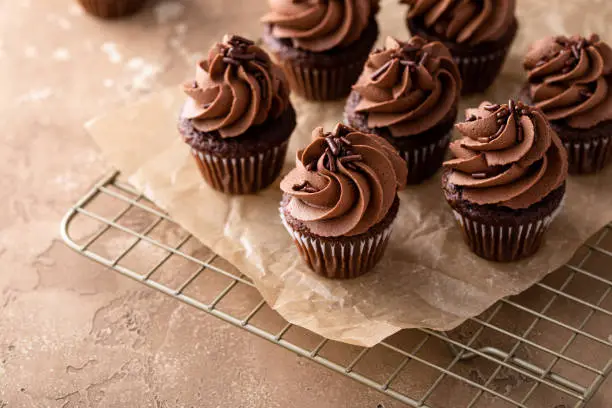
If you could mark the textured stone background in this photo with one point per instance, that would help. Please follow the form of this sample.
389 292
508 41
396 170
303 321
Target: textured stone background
71 333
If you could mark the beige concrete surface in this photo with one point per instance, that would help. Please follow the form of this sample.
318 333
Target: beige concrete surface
72 334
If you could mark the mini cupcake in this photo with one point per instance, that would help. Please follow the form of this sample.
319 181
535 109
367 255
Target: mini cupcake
570 80
507 182
408 94
321 45
111 8
340 201
478 33
238 117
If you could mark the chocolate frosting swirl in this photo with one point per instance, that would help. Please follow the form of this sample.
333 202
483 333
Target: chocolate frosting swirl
316 25
465 21
570 79
408 87
344 182
237 87
509 156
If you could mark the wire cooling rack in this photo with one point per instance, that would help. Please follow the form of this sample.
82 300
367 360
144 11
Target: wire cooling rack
549 347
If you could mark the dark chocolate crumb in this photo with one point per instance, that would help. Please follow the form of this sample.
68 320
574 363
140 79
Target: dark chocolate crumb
492 108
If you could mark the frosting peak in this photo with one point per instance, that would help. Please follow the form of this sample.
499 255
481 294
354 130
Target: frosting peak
344 182
508 156
320 25
237 87
408 87
465 21
570 78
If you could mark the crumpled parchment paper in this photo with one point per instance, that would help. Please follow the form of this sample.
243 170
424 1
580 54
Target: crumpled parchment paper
428 277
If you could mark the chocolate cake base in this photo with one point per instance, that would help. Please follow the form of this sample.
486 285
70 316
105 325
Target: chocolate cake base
340 257
244 164
110 9
479 64
588 150
499 233
324 75
424 153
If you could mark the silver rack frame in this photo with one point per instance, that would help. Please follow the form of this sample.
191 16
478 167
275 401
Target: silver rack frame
465 350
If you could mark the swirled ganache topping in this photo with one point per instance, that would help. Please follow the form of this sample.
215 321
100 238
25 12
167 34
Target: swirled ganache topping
408 87
235 88
570 78
465 21
344 182
320 25
509 156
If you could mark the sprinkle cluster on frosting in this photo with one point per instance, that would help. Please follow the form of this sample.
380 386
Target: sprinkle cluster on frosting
570 78
508 156
320 25
237 87
344 182
465 21
408 87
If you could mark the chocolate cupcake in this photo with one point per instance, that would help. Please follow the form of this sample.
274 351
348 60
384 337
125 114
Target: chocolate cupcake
238 117
111 8
340 201
507 182
408 93
321 45
478 33
570 80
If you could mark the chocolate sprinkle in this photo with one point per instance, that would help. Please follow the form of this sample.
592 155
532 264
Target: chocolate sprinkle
330 161
492 108
424 58
240 55
305 187
298 187
231 61
471 118
519 134
237 40
332 145
351 158
376 74
408 48
575 51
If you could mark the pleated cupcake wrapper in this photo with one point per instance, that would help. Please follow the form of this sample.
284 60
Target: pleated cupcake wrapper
589 157
111 8
244 175
322 84
424 161
503 243
340 260
478 72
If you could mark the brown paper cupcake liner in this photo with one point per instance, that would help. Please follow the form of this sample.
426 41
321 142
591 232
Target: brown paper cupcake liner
478 72
322 84
243 175
424 161
504 243
337 259
589 156
111 8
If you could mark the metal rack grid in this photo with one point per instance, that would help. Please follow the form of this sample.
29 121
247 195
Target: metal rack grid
546 344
